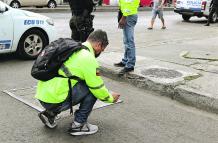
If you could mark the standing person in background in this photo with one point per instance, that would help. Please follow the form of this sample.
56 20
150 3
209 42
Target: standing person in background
127 22
214 8
157 10
81 22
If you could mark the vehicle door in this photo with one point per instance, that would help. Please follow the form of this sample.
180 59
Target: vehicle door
181 4
194 5
6 29
39 2
30 2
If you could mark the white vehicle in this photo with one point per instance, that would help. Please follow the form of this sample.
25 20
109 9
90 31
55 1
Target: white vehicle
37 3
23 32
189 8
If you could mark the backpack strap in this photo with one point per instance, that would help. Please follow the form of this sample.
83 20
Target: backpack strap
69 76
70 93
85 47
68 73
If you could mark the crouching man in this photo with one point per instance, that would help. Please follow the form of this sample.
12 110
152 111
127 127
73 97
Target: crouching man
53 94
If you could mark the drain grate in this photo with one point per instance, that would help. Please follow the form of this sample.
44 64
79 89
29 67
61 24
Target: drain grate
161 73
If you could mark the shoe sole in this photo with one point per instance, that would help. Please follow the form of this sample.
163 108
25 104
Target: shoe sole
83 133
45 121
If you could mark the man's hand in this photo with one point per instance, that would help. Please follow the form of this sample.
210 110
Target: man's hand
116 96
122 22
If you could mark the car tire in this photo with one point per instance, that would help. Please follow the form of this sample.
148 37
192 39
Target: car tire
31 44
15 4
52 4
186 17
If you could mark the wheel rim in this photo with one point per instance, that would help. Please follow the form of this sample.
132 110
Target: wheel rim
52 5
33 45
15 5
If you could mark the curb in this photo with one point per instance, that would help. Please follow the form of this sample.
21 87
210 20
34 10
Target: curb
196 99
64 9
178 92
140 82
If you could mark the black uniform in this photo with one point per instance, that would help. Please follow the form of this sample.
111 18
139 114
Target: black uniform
214 8
81 23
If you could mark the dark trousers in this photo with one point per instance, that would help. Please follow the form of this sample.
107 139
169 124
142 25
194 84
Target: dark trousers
81 27
213 9
80 95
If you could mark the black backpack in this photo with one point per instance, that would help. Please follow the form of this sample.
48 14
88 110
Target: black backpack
52 57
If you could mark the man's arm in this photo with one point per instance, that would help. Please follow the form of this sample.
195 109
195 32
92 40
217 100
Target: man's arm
122 22
95 82
162 4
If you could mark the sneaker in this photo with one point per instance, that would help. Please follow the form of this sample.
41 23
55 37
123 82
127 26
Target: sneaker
48 120
125 70
120 64
78 129
149 28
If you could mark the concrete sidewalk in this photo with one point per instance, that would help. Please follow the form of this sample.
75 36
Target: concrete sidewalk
66 8
189 85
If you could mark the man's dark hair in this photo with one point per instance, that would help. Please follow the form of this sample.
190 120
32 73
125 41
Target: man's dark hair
99 36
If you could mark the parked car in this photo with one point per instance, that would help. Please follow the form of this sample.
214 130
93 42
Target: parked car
190 8
37 3
24 32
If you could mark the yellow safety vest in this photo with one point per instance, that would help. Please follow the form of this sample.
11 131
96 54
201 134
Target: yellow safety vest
129 7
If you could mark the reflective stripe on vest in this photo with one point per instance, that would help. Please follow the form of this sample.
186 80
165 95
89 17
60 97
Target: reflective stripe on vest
97 87
106 98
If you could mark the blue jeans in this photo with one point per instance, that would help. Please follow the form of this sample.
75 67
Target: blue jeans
128 40
81 95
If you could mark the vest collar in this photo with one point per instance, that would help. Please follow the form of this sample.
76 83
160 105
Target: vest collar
88 45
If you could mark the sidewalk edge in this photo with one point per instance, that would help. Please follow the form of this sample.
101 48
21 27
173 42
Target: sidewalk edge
183 95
